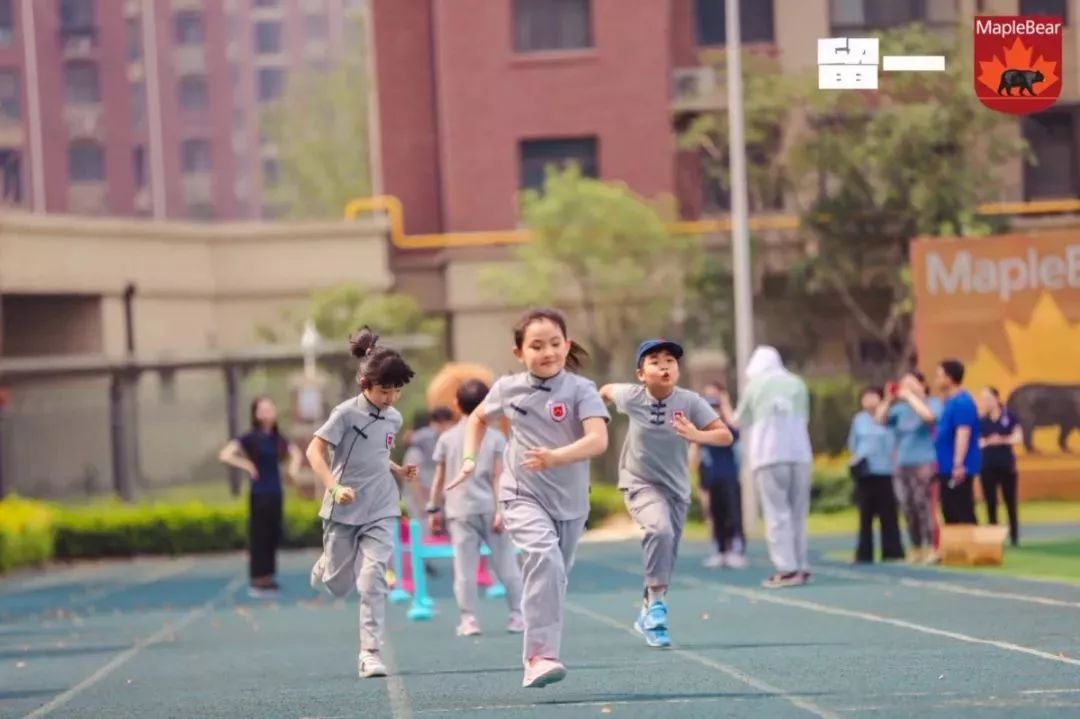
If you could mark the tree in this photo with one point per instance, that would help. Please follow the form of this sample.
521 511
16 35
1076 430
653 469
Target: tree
320 128
599 248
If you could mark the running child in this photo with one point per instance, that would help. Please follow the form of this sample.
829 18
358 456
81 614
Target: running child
557 423
360 508
471 514
654 471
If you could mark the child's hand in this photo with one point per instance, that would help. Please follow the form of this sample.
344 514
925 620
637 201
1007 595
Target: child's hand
467 468
435 523
685 429
538 459
497 524
345 495
410 471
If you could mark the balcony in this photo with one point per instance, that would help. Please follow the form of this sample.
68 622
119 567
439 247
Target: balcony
11 132
84 121
696 89
198 188
88 198
190 60
78 42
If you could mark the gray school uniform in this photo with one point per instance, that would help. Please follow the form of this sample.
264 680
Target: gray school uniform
469 510
544 511
358 538
654 472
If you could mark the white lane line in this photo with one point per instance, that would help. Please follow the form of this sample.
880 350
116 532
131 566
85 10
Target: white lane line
731 671
400 707
127 655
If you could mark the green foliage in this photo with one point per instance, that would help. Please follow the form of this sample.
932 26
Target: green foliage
320 128
26 533
597 246
831 488
833 402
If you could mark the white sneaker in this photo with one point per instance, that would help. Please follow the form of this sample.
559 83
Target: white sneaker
371 666
735 560
516 625
714 561
541 672
468 626
316 578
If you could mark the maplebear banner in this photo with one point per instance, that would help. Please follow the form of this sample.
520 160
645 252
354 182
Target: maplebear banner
1008 307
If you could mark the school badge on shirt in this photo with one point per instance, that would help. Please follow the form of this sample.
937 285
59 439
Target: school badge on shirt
678 415
557 410
389 440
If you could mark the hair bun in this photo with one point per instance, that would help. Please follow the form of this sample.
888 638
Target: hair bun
363 341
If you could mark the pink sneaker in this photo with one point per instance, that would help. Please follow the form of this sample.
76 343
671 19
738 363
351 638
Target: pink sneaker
468 626
516 625
542 672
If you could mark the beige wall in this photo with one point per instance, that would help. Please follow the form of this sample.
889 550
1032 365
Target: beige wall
199 286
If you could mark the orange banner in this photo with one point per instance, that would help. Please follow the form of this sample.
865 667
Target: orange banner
1008 307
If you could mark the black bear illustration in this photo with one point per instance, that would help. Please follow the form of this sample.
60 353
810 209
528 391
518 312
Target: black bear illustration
1023 79
1046 405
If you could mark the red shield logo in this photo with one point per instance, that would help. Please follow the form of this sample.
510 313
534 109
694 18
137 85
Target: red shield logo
389 440
1018 62
557 411
678 414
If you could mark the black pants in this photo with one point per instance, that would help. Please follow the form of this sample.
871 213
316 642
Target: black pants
725 507
264 534
991 479
958 503
876 498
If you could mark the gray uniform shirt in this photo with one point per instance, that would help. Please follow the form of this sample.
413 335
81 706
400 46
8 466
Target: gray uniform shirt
476 495
653 453
545 413
420 451
362 437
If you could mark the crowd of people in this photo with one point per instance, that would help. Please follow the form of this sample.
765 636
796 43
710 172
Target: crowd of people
912 451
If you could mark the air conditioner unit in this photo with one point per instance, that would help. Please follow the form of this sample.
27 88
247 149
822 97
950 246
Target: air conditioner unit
691 82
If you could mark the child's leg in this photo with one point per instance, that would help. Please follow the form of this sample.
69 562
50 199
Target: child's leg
505 564
465 537
548 547
260 549
336 568
375 545
662 520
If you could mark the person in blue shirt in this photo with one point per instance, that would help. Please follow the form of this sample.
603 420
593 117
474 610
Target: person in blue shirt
957 444
999 431
260 453
871 446
911 416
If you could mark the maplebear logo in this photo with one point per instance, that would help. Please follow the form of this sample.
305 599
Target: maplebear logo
678 415
557 411
389 440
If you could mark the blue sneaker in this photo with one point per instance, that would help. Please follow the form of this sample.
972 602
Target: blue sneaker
652 624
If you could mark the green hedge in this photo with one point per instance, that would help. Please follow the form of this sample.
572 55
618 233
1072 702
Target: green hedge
26 533
833 402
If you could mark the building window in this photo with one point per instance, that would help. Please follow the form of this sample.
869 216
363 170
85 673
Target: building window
267 3
134 38
551 25
884 14
195 155
81 82
137 97
7 25
271 171
271 83
315 27
536 155
9 94
202 211
267 38
193 93
76 15
86 161
10 176
189 28
1052 138
755 21
138 166
1057 8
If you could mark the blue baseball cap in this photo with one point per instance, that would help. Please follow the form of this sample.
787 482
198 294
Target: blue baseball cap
650 346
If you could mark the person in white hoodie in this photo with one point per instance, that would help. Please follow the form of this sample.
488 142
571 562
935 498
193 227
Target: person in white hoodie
774 413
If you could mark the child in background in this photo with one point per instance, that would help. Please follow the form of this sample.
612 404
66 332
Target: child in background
557 423
471 514
718 469
361 504
654 473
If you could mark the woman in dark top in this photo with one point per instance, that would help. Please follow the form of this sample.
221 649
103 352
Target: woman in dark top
260 453
998 432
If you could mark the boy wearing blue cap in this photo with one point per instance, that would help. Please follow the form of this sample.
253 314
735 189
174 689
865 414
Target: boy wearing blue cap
654 473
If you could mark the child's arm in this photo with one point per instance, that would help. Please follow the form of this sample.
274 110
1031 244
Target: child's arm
474 435
715 433
593 444
233 455
607 393
497 525
435 499
296 460
316 455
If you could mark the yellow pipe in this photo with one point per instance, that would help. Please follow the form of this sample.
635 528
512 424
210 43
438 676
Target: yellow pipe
396 219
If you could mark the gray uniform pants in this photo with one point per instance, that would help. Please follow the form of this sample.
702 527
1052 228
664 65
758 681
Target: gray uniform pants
661 516
357 555
548 547
466 535
785 502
